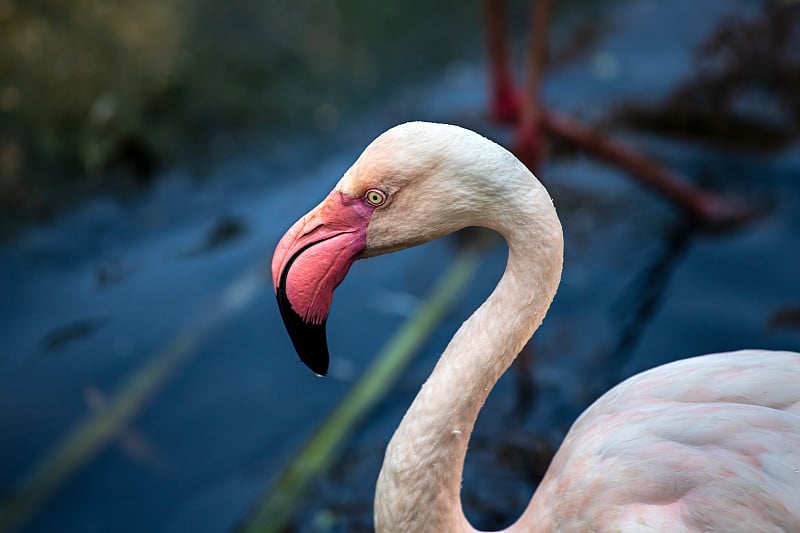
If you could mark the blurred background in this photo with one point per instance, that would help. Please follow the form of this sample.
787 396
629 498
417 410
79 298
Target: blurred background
153 152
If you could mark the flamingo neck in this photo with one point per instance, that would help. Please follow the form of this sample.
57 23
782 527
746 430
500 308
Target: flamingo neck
419 487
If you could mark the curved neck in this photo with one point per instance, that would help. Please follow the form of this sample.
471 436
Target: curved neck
419 487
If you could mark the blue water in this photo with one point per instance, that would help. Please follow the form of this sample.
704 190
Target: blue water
94 295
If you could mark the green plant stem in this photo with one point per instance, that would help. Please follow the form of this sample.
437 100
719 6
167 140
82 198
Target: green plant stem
90 436
279 502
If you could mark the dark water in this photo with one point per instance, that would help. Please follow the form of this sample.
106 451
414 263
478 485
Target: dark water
91 298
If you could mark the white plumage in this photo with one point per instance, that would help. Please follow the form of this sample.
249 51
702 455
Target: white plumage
710 443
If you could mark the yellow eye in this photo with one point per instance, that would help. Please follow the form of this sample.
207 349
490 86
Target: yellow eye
375 197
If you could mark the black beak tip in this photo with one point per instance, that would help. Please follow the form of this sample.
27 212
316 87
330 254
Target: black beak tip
309 340
316 362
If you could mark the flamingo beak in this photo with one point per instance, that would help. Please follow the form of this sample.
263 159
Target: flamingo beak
310 261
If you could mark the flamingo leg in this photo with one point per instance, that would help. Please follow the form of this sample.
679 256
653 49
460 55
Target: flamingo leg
705 207
504 99
530 141
535 121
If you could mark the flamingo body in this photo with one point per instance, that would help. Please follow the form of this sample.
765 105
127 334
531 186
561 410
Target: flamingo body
704 444
710 443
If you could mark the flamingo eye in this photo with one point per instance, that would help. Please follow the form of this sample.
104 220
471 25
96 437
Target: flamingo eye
375 198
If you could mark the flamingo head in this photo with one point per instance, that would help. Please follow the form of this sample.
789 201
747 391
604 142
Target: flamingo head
412 184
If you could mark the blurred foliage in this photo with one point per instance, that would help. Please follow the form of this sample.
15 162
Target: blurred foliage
110 88
77 77
99 93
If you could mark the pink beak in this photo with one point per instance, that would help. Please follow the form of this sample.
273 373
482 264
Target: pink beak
310 261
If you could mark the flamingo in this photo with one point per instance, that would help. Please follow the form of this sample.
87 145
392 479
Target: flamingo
710 443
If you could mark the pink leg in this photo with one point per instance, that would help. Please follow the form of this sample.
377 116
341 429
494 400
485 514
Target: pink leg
707 208
535 122
530 142
503 97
